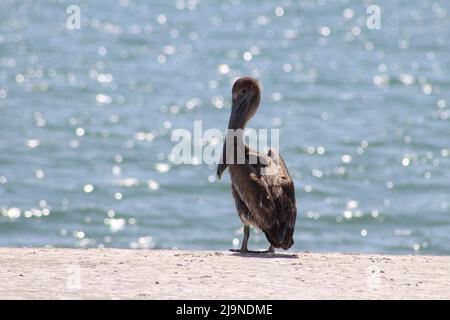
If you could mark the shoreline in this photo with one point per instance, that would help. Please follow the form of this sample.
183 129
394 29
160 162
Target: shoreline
56 273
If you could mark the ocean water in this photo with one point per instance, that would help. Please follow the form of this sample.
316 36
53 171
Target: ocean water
86 118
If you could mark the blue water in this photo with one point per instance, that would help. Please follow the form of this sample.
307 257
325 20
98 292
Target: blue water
87 117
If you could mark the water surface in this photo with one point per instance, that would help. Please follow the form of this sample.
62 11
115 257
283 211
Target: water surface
87 116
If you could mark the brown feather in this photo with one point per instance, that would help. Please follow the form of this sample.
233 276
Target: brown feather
269 200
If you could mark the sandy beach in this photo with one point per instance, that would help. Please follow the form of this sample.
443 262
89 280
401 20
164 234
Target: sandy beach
172 274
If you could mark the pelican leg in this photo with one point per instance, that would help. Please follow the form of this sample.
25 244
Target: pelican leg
245 240
244 248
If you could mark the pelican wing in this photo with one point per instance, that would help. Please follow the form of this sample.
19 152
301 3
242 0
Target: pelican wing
272 200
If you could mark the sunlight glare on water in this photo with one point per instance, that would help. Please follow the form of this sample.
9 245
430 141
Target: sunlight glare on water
87 117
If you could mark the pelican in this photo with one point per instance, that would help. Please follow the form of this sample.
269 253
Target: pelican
262 188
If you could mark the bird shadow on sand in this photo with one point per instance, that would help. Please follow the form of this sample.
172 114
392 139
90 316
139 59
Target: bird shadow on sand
265 255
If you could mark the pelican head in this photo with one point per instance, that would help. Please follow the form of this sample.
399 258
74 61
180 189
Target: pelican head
246 96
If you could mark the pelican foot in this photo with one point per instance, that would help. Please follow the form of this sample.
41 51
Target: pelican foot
238 250
270 250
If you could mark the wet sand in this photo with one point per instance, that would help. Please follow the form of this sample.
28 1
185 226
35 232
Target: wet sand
173 274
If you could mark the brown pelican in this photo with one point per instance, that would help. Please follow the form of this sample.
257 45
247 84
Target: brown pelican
262 188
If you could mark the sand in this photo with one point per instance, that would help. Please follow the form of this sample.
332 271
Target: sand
172 274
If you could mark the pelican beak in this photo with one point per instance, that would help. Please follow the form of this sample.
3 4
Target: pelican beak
239 113
221 167
233 123
239 110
